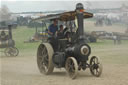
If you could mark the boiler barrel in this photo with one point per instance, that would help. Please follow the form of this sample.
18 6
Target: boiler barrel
6 43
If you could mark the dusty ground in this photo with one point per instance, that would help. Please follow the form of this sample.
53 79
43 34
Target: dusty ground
23 70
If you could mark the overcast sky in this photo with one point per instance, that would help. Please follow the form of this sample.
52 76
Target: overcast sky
30 5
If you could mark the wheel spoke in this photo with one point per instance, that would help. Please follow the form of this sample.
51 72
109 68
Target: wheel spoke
96 59
93 61
43 49
45 56
93 70
97 72
42 67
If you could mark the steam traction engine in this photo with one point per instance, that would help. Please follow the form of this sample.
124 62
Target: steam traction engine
70 52
7 42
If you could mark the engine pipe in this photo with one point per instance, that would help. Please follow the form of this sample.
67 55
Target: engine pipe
10 31
79 13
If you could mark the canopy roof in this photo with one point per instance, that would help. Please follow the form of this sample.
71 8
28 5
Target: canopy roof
3 28
66 16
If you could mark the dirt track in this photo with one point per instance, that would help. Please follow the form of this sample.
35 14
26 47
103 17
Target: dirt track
24 71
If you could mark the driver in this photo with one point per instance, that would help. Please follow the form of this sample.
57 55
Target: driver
53 28
3 36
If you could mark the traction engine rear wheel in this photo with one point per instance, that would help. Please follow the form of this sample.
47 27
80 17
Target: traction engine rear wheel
11 52
44 58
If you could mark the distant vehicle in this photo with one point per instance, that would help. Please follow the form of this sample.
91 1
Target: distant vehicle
103 35
38 36
7 42
6 23
70 51
91 37
110 35
123 36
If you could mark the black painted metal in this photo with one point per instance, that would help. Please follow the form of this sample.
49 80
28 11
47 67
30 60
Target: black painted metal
80 24
10 31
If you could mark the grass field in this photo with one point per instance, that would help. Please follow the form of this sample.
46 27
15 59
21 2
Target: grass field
20 35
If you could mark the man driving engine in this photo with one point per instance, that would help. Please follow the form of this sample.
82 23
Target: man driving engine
53 28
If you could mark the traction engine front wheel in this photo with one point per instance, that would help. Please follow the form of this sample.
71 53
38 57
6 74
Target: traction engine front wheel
95 66
71 67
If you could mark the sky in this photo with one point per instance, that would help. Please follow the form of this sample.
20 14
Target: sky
46 5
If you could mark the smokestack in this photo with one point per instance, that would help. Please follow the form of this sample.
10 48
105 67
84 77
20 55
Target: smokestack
79 13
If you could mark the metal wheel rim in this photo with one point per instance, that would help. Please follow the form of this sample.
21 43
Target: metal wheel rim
95 66
11 51
72 67
44 59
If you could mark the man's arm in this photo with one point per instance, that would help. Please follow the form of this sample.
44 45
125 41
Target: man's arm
50 32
